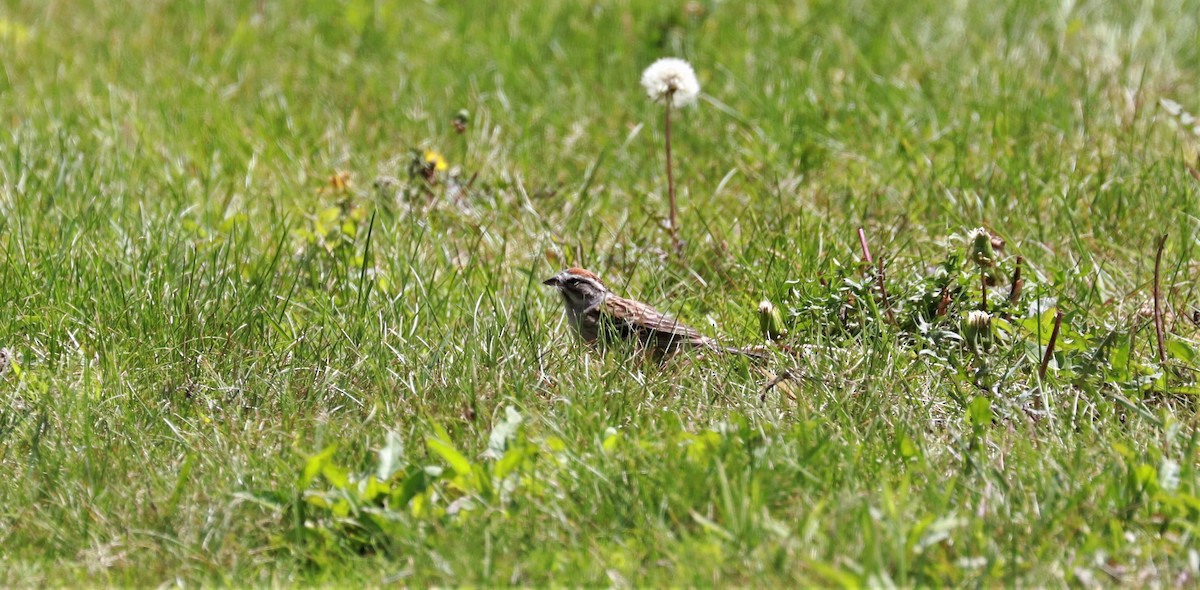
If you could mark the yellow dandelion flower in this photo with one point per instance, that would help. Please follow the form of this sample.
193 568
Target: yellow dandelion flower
340 181
435 160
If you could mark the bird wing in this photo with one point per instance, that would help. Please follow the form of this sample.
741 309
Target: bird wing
648 322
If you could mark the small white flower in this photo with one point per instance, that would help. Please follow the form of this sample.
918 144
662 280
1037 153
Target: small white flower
671 78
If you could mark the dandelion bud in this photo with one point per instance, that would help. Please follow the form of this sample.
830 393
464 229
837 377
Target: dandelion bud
770 321
982 251
976 329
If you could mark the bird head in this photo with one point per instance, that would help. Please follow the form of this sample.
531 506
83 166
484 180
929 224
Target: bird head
580 288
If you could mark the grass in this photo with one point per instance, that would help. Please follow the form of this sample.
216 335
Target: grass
217 346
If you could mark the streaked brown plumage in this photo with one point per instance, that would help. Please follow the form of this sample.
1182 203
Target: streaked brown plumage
598 315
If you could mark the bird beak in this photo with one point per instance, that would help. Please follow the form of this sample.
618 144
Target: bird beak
552 281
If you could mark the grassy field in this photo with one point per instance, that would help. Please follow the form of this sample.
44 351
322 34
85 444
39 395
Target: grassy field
235 360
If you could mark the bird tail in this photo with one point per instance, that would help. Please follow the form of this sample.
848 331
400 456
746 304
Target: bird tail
758 353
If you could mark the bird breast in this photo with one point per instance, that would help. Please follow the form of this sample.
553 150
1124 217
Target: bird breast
584 324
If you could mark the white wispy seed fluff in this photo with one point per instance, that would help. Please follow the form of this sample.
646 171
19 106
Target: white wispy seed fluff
671 77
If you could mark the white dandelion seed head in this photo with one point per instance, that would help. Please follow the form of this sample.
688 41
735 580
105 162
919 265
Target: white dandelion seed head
671 78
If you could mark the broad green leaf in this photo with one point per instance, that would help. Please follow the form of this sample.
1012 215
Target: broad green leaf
439 431
835 576
1118 360
456 460
336 476
420 505
315 465
1181 350
373 488
611 441
979 411
512 459
1146 477
417 482
908 448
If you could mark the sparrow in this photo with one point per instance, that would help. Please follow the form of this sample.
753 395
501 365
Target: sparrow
600 316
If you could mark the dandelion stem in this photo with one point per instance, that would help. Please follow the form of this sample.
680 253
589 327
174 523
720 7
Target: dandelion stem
671 177
983 300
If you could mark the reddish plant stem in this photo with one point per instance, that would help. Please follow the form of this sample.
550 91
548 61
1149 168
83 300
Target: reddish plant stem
862 240
1014 294
879 276
944 302
1039 397
1158 317
1050 346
